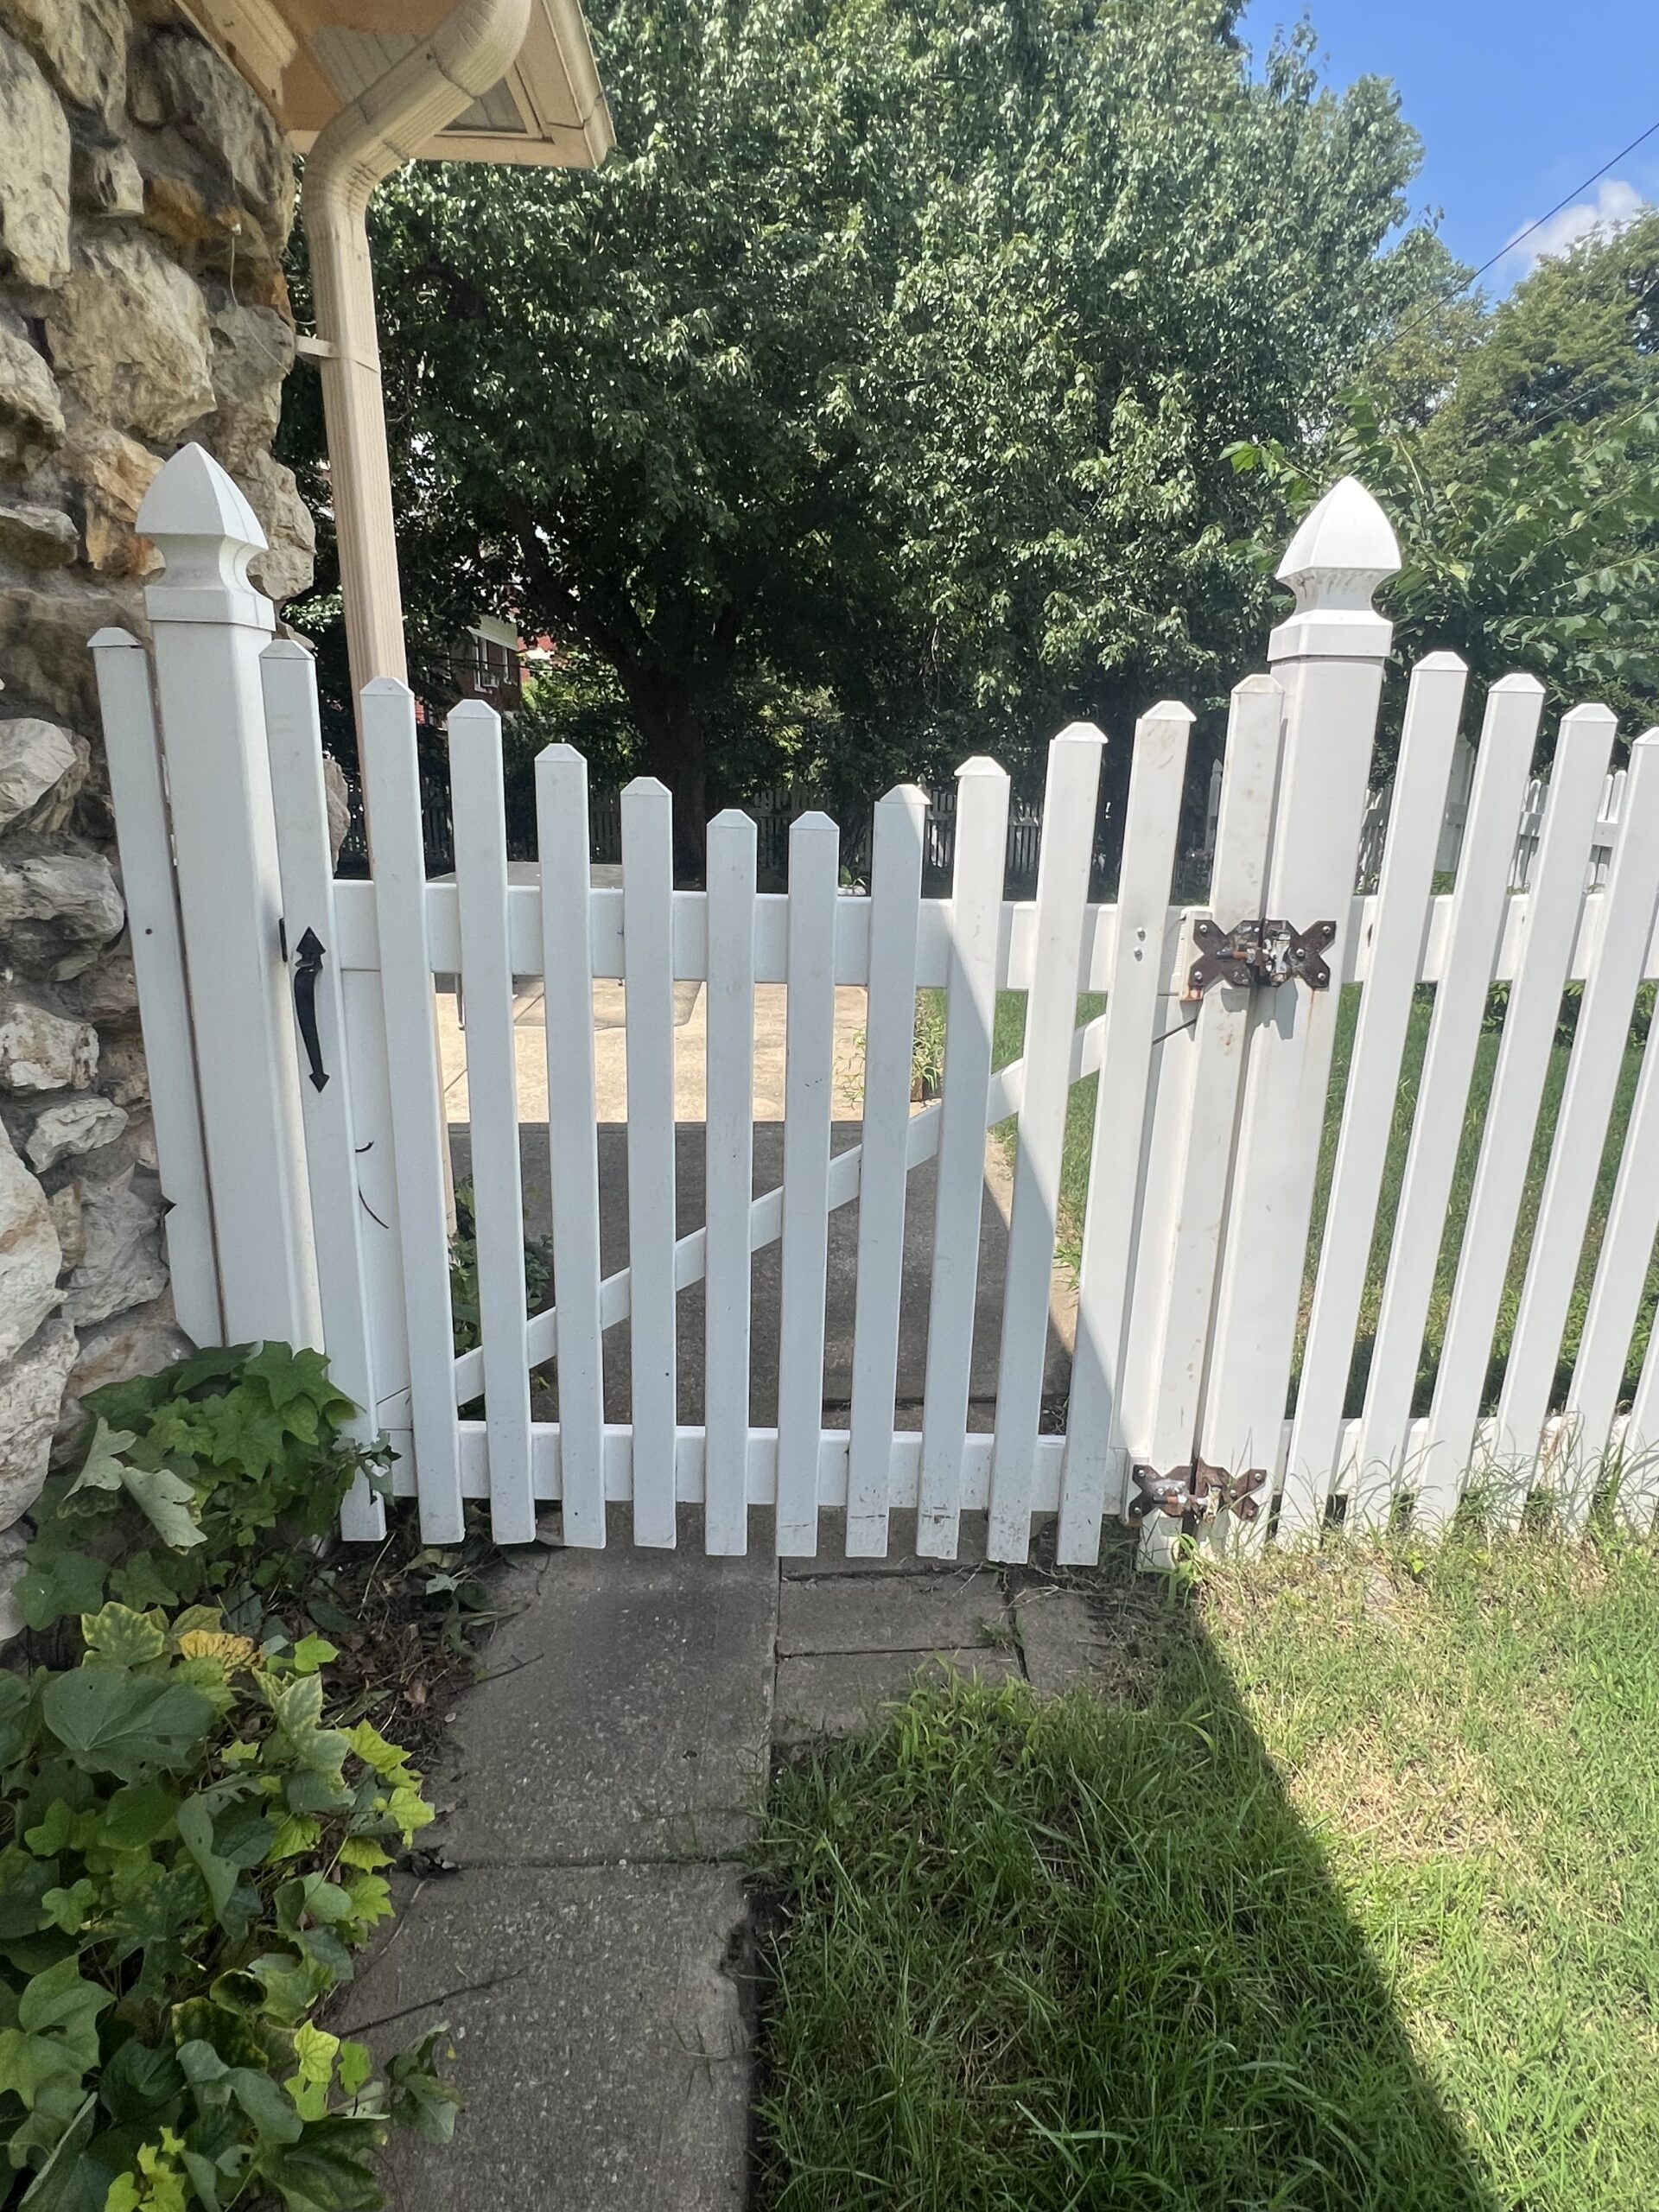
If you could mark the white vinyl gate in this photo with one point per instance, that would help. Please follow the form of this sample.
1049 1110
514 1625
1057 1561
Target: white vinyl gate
290 1021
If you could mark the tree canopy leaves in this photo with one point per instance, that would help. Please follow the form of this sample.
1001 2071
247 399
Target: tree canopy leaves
890 361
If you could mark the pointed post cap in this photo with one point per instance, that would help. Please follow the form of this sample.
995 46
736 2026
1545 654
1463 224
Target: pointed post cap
1343 549
207 534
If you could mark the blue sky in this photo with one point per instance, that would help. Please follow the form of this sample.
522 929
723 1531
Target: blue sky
1516 102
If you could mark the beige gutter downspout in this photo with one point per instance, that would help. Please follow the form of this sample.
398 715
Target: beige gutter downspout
467 55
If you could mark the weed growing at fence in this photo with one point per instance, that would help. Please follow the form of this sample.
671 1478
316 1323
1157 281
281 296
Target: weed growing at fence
1342 1892
194 1816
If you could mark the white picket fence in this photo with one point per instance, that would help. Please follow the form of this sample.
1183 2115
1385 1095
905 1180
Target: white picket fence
290 1023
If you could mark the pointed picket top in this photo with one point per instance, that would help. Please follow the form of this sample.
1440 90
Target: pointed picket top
978 764
207 534
1343 549
469 713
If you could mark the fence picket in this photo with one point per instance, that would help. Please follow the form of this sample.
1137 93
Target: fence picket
573 1139
1430 731
809 1074
981 836
729 1180
146 879
1480 901
648 934
889 1053
1593 1077
293 733
1063 872
1093 1464
1616 1294
1552 919
420 1137
1197 1078
478 811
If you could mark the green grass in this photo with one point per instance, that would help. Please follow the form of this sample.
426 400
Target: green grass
1350 1904
1008 1038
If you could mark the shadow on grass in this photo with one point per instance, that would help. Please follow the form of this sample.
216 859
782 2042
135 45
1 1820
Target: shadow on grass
1078 1954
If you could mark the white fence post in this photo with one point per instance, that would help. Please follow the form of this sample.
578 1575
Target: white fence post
1329 657
210 627
146 879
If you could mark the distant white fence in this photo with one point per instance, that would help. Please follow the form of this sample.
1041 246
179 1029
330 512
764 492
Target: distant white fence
290 1018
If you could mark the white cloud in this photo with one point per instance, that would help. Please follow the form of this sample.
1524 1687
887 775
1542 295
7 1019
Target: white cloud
1616 204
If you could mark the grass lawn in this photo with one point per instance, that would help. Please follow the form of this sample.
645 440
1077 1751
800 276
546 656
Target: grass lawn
1008 1040
1342 1895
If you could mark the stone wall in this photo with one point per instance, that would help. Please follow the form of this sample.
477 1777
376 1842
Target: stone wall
145 199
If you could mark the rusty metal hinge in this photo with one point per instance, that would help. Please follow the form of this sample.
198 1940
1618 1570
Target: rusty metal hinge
1259 953
1195 1493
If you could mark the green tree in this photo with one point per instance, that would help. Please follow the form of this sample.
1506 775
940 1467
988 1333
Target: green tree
1575 341
889 363
1541 555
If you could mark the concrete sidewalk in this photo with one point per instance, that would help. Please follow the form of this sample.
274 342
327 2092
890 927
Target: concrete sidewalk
584 1928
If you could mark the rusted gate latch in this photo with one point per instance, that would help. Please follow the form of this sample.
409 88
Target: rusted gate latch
1194 1493
1264 952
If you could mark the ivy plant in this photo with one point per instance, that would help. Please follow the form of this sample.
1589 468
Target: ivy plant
189 1855
212 1479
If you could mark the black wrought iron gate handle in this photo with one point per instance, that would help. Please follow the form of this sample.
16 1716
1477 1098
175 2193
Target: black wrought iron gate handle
307 963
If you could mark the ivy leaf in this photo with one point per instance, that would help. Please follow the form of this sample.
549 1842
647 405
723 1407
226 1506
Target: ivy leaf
122 1638
312 1652
140 1813
102 1468
56 2034
52 2189
115 1722
15 1697
58 1582
421 2099
147 1579
272 2114
139 2081
167 1502
328 2167
196 1819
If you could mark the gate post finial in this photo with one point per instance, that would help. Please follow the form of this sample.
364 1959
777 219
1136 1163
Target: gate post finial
207 534
1343 549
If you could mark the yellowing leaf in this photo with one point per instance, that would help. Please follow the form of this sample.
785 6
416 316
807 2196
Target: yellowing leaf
230 1650
315 2051
121 1637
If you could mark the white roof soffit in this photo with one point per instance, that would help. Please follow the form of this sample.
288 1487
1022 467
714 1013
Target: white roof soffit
309 58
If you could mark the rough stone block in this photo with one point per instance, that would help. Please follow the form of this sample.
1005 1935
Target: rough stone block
30 1258
54 903
37 759
39 537
130 335
34 174
81 44
31 418
29 1389
124 1264
77 1125
42 1050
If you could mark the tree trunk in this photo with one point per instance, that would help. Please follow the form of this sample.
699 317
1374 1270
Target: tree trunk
675 752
